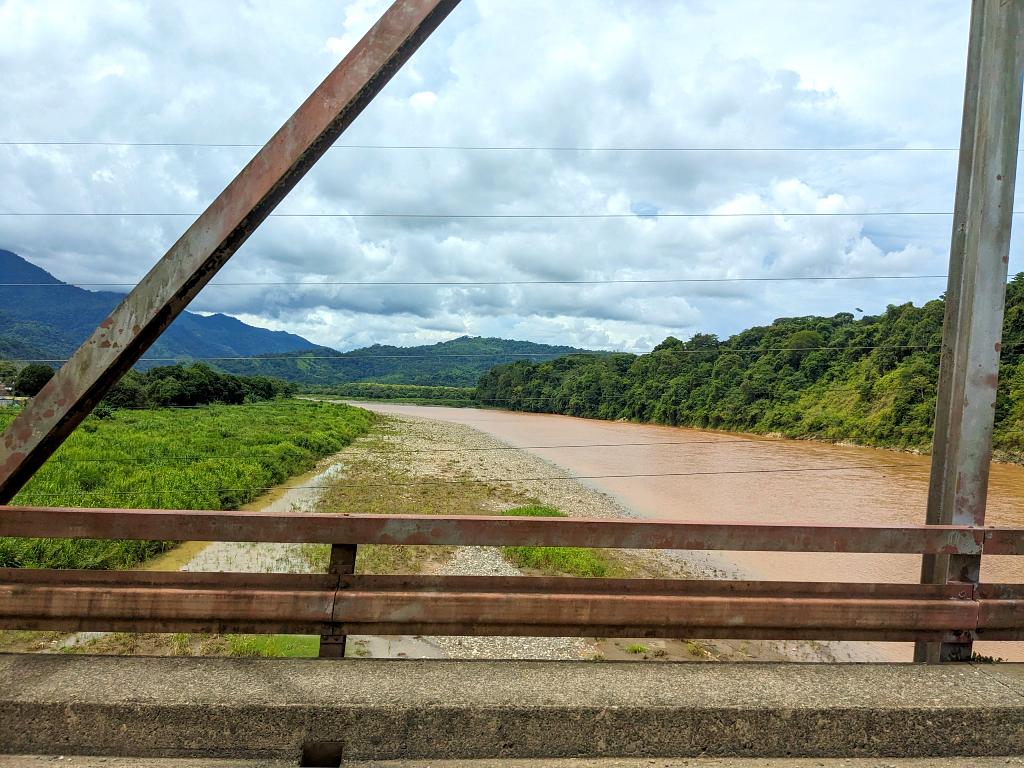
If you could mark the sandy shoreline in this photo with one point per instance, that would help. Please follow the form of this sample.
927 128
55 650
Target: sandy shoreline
468 451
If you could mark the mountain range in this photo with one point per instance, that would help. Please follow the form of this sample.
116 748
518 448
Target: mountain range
42 317
457 363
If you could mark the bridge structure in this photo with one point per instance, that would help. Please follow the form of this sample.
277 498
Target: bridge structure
944 614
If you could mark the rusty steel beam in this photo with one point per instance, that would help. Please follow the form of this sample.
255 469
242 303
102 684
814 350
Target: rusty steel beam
367 612
690 587
214 237
472 530
342 562
979 254
320 582
75 604
1001 615
177 602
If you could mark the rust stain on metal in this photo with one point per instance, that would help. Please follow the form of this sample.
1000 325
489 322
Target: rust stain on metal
309 603
472 530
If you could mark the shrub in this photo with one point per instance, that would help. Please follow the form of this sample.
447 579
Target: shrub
31 379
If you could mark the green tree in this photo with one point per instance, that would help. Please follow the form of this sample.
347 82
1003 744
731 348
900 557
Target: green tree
129 392
801 343
31 379
8 371
870 380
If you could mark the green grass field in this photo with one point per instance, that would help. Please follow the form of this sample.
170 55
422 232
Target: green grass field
572 561
277 646
214 457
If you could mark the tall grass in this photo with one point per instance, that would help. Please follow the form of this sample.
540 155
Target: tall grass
216 457
574 561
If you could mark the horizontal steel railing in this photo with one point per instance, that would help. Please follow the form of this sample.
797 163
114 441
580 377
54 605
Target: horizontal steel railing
322 604
473 530
335 605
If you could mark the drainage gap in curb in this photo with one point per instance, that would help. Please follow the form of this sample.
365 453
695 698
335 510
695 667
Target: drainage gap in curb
321 754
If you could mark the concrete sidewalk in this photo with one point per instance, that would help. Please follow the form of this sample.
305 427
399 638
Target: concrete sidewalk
436 709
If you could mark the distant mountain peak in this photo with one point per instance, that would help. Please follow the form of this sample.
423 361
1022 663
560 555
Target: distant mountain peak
50 316
15 269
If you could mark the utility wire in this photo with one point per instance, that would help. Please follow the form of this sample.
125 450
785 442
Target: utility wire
473 147
457 283
523 355
470 481
442 402
359 449
340 357
186 458
461 216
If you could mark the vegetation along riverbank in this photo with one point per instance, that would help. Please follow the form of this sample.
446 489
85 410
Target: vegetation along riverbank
212 457
414 465
870 380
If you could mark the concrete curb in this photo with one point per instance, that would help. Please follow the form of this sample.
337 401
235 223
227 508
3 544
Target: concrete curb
64 761
406 709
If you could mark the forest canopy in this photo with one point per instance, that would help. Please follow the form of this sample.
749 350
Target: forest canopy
870 380
196 384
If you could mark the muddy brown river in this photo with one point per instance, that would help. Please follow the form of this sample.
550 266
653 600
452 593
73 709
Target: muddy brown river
748 478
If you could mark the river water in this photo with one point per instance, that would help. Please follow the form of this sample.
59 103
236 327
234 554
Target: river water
733 477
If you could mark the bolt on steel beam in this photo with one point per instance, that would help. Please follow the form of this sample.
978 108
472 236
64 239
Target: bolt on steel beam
212 239
979 254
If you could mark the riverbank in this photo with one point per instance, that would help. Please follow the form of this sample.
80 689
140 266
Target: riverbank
431 466
408 464
209 457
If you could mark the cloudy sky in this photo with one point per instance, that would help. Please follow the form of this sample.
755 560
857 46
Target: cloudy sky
526 76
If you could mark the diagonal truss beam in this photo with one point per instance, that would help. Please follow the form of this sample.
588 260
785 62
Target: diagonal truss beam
212 239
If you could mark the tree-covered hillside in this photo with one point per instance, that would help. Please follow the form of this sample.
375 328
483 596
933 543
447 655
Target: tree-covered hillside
870 380
43 318
457 363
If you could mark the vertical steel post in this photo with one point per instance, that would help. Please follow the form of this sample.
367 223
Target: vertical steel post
342 563
979 253
212 239
935 567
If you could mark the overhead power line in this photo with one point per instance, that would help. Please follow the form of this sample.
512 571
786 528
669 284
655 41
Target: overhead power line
171 458
471 481
339 356
476 283
476 147
187 458
547 355
333 397
472 216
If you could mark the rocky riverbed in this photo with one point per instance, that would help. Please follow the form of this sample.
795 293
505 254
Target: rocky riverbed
416 465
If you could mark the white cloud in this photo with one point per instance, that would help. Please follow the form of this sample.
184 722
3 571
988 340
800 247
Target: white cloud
585 73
